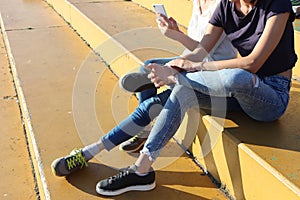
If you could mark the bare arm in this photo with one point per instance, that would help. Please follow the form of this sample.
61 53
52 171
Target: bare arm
265 46
253 62
209 40
193 60
169 28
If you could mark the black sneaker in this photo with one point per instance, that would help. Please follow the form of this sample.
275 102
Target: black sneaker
135 82
134 143
125 181
69 164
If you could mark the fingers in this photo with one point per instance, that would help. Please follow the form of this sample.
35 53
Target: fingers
173 24
176 63
182 64
155 75
156 80
151 67
169 23
163 17
163 21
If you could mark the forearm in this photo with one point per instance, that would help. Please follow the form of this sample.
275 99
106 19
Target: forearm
209 40
184 39
242 63
197 55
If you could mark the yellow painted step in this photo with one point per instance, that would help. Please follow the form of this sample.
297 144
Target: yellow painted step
246 150
296 70
233 180
49 60
180 10
123 44
13 145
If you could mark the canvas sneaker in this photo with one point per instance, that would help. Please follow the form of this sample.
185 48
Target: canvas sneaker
69 164
135 82
126 180
134 143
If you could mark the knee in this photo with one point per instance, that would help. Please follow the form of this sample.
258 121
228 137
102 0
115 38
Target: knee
181 91
235 77
149 109
183 95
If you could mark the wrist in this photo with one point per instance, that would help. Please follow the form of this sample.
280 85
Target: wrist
179 36
201 66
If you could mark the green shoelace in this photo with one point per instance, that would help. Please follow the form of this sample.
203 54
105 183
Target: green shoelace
76 160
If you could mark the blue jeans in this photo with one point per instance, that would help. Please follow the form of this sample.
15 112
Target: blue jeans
137 121
263 99
143 114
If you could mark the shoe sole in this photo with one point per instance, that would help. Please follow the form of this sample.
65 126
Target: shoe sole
127 189
133 150
53 168
54 172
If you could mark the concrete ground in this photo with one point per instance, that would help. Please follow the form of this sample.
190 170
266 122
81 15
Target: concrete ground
47 56
17 176
69 97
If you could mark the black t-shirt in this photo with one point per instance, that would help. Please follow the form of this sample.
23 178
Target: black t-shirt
244 32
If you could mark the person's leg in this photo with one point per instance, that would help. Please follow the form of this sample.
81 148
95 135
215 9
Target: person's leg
263 99
245 87
136 122
141 117
170 118
140 81
166 125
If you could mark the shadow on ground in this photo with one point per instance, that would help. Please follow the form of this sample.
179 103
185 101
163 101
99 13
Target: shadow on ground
87 179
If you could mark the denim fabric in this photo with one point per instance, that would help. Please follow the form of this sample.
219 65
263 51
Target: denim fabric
263 99
150 104
180 100
136 122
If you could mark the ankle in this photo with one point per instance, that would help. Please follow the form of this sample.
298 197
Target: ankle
91 150
143 163
140 170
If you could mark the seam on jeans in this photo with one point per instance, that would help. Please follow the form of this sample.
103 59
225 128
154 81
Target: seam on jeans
257 98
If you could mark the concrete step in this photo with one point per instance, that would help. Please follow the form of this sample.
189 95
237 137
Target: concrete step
296 70
244 148
58 79
114 40
254 159
13 141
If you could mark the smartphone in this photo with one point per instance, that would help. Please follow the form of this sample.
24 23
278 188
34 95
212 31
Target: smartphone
159 8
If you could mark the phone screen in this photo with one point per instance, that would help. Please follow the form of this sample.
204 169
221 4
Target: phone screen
159 8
